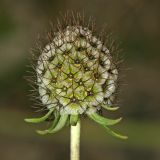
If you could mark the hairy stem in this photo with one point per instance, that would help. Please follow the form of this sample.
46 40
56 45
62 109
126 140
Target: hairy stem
75 142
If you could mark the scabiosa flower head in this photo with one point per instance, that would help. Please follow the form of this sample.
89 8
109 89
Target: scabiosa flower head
75 75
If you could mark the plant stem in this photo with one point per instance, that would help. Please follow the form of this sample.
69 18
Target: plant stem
75 142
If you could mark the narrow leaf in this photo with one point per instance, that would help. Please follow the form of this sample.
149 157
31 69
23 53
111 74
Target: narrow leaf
57 116
104 121
74 119
110 108
114 133
59 125
38 120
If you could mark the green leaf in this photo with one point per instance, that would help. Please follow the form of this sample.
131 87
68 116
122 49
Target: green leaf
102 120
110 108
57 116
74 119
38 120
114 134
61 123
55 121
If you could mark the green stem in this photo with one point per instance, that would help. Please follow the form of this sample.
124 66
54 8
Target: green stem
75 142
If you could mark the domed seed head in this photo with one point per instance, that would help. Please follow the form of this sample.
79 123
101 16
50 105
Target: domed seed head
75 74
81 67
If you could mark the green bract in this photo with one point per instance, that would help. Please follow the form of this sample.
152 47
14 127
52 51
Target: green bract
76 75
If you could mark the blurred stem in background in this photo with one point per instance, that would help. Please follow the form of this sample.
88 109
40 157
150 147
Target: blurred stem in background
75 141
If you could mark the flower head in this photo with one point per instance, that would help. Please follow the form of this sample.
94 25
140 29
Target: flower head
75 75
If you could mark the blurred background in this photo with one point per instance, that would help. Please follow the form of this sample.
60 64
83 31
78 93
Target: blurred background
137 24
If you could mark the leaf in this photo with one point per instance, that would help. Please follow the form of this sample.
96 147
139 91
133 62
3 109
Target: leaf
74 119
59 125
38 120
55 121
115 134
110 108
57 116
102 120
